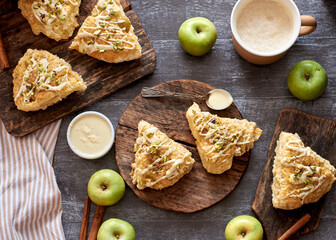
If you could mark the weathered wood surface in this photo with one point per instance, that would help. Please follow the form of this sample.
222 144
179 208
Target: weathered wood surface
196 190
101 78
259 92
315 132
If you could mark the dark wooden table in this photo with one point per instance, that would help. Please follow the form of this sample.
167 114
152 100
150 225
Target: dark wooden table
260 92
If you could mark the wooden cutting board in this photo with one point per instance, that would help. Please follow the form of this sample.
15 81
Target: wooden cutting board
196 190
101 78
315 132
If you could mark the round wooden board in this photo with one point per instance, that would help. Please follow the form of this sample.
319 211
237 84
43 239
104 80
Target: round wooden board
196 190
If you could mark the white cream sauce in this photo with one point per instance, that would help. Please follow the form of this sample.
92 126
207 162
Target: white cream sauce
219 99
90 134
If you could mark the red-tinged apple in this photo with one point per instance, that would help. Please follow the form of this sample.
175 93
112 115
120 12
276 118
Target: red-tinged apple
197 36
307 80
114 228
244 227
106 187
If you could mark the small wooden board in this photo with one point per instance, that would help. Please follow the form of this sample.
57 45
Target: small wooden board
101 78
196 190
315 132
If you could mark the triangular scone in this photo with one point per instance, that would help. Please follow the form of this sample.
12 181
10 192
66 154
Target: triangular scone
218 139
42 79
108 34
57 19
300 175
159 161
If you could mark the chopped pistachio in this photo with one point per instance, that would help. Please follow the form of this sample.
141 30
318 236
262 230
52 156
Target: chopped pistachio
45 87
97 32
25 79
36 6
62 18
115 47
108 36
40 68
121 48
112 13
178 166
102 50
89 42
118 42
108 18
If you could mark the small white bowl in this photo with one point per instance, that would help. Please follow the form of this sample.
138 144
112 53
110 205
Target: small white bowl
85 155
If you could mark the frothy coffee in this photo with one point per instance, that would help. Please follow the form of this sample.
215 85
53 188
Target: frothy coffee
265 25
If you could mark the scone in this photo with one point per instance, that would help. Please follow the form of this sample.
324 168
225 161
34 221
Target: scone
159 161
218 139
42 79
300 175
108 34
57 19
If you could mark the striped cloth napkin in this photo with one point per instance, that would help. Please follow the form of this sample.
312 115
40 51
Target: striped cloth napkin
30 201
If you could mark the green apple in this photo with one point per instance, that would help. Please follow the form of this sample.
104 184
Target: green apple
244 227
197 35
307 80
106 187
114 229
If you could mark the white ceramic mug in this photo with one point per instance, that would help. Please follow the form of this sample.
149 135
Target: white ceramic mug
302 25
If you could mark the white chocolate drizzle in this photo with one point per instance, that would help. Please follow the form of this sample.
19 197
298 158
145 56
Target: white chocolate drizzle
39 77
307 177
108 32
46 11
160 150
221 138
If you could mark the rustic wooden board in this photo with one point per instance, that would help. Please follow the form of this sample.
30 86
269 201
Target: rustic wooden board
315 132
101 78
198 189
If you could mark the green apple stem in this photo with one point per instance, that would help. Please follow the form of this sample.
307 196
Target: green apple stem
307 76
97 220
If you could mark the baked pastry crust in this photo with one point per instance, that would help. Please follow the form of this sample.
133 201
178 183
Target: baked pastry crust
108 34
300 175
57 19
42 79
218 139
159 161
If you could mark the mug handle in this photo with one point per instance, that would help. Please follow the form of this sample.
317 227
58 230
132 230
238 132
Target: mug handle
308 25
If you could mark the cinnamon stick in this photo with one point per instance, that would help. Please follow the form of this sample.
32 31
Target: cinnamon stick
85 219
97 219
296 227
3 56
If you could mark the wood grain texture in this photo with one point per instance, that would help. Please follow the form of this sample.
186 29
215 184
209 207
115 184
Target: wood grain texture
101 78
315 132
196 190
